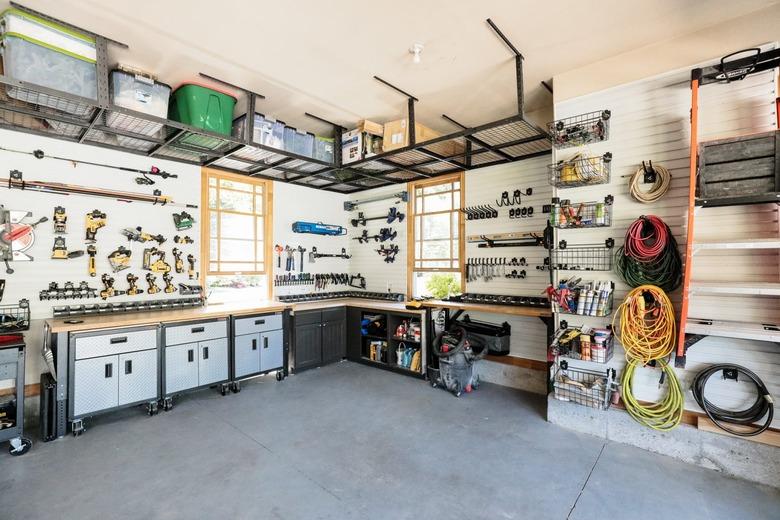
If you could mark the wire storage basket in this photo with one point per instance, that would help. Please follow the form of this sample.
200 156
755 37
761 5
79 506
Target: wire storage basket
15 318
589 388
581 171
584 344
582 257
581 129
565 214
593 299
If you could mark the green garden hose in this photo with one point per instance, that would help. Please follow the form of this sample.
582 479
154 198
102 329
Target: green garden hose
664 415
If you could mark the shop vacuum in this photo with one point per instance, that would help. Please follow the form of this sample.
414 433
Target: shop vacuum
457 352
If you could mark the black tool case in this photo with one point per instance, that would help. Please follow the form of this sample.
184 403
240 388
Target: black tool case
495 337
741 170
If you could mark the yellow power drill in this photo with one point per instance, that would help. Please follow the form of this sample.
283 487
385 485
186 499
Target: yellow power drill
178 264
131 280
169 287
95 220
191 270
152 281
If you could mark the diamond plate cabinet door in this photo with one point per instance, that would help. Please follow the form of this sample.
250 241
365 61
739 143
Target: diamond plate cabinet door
213 361
247 354
137 376
181 367
96 385
272 352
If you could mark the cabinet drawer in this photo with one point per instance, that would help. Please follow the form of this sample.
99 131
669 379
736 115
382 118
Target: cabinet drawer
95 345
257 324
308 317
337 314
175 335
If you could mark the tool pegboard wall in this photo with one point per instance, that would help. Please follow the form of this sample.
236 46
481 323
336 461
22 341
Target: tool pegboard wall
650 121
30 278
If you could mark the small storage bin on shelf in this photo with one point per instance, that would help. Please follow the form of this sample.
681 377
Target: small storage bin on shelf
139 93
579 130
203 107
582 257
50 55
586 387
565 214
585 344
323 149
581 171
267 131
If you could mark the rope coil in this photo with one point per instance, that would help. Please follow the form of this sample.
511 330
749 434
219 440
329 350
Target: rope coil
663 181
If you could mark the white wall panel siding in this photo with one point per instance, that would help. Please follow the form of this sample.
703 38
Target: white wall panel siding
650 120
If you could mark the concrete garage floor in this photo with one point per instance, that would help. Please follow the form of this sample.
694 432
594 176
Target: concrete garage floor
353 442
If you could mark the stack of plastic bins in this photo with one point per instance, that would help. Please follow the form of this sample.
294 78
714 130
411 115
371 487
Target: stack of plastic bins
141 94
289 139
205 108
323 148
50 55
304 143
267 131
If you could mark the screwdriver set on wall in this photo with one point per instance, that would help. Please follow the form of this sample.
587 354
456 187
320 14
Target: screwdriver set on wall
487 269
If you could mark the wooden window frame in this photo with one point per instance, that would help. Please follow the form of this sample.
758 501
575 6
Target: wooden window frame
268 225
411 207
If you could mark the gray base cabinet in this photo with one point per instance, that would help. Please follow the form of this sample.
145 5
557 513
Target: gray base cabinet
258 345
320 337
195 356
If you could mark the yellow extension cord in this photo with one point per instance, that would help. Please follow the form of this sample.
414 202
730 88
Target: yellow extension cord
647 335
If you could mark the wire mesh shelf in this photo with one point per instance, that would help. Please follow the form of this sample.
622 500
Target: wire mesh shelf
589 388
581 171
579 130
584 344
565 214
16 317
582 257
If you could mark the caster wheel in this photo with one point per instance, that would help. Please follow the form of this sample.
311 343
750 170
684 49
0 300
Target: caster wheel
433 384
77 433
223 389
279 376
152 409
168 404
24 447
235 387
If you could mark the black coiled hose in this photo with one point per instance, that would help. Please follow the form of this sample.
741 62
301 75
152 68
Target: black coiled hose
761 407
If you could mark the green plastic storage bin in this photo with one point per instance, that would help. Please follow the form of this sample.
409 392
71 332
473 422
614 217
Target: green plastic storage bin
203 107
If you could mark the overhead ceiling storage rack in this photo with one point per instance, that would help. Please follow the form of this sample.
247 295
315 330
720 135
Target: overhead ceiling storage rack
44 111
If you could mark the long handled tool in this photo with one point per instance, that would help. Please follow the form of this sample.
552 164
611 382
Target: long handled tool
154 171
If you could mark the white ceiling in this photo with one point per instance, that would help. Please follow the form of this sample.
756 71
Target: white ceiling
320 55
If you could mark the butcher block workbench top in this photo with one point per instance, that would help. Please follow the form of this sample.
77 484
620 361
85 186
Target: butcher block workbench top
537 312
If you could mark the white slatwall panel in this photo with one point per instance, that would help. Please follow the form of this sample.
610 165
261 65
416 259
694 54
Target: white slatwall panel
380 276
483 187
650 120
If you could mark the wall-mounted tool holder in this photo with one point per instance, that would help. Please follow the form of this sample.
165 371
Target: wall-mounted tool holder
480 212
582 257
68 291
515 274
15 318
388 252
318 280
579 130
393 215
573 296
583 343
314 255
527 211
318 228
139 235
384 235
565 214
187 290
515 199
581 170
179 239
125 307
506 240
357 281
402 196
497 299
485 269
589 388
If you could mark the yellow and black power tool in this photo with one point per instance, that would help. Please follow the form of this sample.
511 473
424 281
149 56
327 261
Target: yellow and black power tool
92 252
95 220
60 220
178 265
60 251
169 287
109 291
152 281
183 239
156 266
191 271
133 289
120 259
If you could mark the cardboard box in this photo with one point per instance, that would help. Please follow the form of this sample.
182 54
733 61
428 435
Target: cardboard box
351 146
369 127
397 134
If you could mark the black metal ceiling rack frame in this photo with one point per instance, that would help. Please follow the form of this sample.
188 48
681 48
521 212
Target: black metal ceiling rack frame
505 140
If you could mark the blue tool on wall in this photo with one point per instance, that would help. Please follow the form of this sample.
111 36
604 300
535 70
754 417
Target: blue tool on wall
318 228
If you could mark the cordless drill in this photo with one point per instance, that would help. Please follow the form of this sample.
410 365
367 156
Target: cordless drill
152 281
133 289
178 264
95 220
109 291
169 287
191 270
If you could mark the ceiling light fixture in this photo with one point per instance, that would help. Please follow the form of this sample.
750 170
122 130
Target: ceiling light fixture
416 50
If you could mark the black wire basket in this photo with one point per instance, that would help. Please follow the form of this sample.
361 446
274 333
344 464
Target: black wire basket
15 318
583 257
581 171
566 214
579 130
586 387
596 348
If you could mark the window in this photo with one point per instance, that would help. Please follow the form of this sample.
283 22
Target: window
435 229
236 221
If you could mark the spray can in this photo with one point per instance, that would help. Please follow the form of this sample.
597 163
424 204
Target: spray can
600 220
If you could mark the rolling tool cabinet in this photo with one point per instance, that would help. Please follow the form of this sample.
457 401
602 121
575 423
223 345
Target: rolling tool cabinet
259 347
12 411
111 370
195 355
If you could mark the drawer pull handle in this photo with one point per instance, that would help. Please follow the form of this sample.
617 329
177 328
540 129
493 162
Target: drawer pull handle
198 329
205 352
254 344
109 370
190 356
265 342
128 366
114 341
259 322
